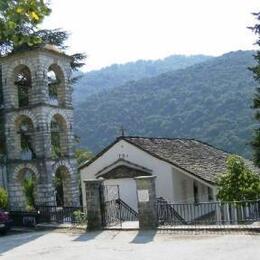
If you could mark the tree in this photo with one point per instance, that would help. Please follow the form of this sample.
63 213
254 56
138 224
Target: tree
83 155
256 100
29 191
19 21
19 28
3 199
238 182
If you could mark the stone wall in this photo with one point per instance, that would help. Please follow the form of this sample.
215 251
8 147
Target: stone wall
3 180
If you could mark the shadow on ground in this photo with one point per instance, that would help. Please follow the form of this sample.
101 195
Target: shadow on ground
88 236
17 240
144 237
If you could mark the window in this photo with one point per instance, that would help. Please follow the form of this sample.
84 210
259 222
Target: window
195 192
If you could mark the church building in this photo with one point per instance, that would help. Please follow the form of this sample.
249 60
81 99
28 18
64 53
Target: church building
185 169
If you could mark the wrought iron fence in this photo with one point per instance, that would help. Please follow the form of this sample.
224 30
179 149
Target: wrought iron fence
208 213
53 214
49 214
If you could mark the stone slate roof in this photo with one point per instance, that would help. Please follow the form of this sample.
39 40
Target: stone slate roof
193 156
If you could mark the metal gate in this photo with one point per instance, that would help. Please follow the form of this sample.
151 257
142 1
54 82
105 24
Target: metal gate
114 210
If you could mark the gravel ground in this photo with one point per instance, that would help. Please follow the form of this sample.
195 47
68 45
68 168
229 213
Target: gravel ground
124 245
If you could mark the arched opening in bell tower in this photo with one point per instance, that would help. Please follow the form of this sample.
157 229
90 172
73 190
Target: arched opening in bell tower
27 188
62 183
56 85
59 138
25 132
23 83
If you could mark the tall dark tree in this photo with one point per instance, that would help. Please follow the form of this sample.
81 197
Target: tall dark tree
256 104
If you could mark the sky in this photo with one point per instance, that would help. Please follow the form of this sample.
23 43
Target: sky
119 31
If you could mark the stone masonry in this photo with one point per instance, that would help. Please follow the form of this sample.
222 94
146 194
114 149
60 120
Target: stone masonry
147 211
39 112
93 197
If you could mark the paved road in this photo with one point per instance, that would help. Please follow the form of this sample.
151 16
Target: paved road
130 245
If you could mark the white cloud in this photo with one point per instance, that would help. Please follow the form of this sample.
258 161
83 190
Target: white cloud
117 31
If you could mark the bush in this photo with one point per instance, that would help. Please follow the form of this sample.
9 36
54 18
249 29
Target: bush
238 182
80 217
3 198
29 188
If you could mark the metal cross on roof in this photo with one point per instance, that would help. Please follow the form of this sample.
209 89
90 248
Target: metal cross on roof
122 129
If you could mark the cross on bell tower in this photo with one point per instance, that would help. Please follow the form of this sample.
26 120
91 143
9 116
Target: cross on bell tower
38 122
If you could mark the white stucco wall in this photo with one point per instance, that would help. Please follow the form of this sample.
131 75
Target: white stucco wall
168 182
183 188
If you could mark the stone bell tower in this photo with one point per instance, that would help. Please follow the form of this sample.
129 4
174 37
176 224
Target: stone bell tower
38 125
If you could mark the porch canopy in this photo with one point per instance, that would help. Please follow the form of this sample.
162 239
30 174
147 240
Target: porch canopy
123 169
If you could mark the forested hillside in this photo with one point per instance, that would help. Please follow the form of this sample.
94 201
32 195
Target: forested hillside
209 101
118 74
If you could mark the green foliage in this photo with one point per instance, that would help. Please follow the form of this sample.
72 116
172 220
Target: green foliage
58 183
29 191
3 198
82 155
23 96
256 100
238 183
19 28
80 218
53 91
209 101
55 145
19 21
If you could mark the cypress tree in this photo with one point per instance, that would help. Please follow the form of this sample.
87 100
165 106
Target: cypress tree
256 100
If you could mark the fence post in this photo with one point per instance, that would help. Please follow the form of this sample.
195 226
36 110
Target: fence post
93 203
147 208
